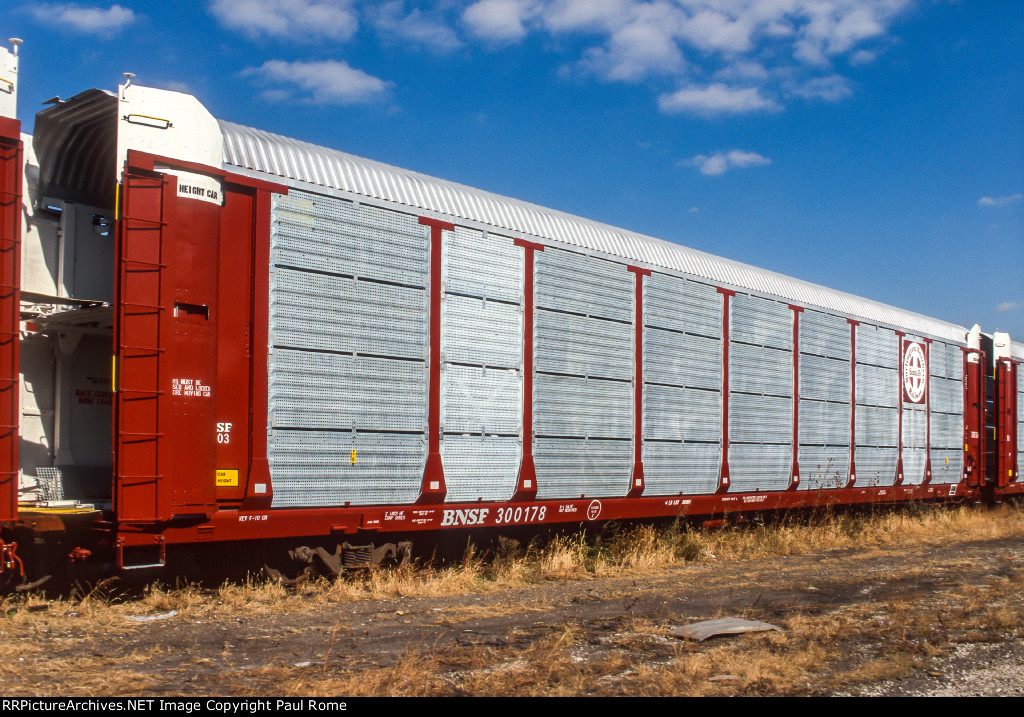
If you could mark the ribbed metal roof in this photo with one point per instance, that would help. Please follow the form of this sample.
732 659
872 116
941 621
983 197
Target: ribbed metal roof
273 154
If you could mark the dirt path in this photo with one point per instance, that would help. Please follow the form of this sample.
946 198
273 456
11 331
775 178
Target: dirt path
897 620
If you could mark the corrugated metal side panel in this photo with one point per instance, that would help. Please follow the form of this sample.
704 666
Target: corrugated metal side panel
328 307
332 235
1017 351
688 468
266 153
583 356
824 335
938 354
760 419
877 426
877 386
947 465
954 362
762 322
946 395
824 423
875 466
580 407
759 467
319 391
753 369
329 313
823 466
571 468
915 435
314 468
824 379
877 346
947 430
481 353
583 346
682 305
679 359
682 414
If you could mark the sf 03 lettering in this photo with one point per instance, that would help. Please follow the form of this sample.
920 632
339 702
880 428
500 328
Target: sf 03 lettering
529 514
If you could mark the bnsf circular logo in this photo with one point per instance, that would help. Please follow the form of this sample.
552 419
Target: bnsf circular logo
915 372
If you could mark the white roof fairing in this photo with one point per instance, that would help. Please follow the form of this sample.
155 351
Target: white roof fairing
273 154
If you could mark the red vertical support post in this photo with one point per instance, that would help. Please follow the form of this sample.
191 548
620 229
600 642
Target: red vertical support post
526 486
853 403
899 424
927 412
723 474
1007 415
794 474
11 157
434 489
636 485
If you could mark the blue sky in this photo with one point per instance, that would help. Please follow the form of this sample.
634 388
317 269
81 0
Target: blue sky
874 146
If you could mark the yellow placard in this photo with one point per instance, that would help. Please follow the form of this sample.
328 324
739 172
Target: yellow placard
227 479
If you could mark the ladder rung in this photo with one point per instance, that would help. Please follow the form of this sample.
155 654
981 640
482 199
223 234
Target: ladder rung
144 263
145 221
140 390
141 477
152 436
152 349
151 307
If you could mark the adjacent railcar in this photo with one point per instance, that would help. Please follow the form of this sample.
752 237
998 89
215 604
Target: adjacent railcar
215 334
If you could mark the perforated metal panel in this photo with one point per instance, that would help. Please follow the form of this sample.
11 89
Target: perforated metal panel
914 443
574 406
480 466
347 376
954 362
877 386
327 313
481 350
583 346
569 468
477 263
1020 414
753 369
328 391
567 281
482 333
332 235
823 466
947 465
759 467
876 426
673 413
315 468
478 400
946 395
682 305
824 335
679 359
938 354
688 468
824 379
760 419
877 346
824 423
875 466
947 430
763 322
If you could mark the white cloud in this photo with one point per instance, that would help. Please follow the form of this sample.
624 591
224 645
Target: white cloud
327 82
498 20
721 162
1010 306
716 99
294 19
417 27
832 88
999 201
87 20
